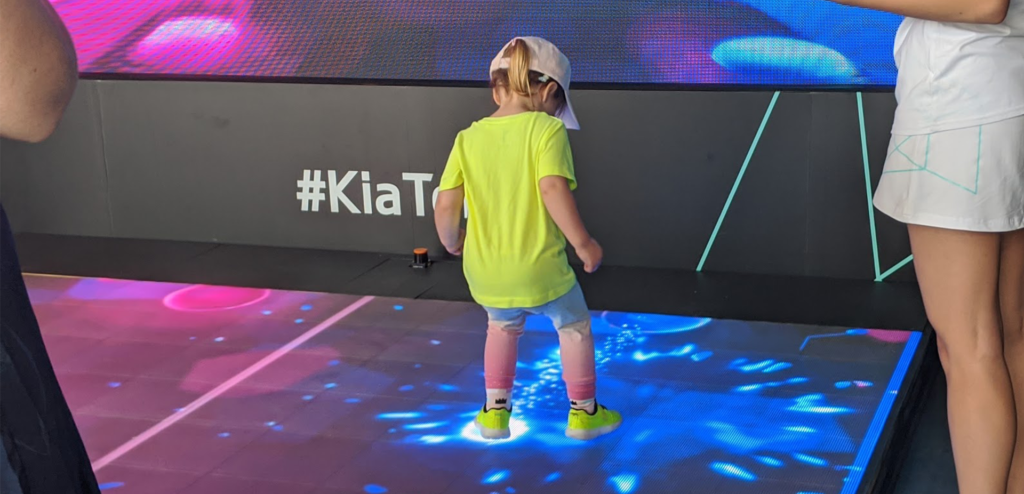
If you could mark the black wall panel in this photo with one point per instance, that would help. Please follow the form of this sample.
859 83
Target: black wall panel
209 161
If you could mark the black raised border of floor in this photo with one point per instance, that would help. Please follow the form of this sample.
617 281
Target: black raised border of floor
882 474
800 300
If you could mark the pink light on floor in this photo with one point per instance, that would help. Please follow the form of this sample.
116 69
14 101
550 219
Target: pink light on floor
226 386
300 365
202 298
208 373
889 336
112 289
197 43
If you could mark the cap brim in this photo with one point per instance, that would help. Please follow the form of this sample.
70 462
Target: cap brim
568 115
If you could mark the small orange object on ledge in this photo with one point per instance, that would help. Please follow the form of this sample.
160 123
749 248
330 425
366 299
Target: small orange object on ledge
420 258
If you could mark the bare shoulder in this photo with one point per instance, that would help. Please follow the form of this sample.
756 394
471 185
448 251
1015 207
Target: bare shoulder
38 69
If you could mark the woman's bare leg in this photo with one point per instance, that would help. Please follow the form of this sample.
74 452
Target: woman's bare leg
959 277
1011 304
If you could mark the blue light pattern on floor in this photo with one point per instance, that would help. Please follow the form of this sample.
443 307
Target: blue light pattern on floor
756 423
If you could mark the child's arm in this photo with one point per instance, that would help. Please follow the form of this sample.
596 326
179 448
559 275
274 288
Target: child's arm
971 11
447 219
561 205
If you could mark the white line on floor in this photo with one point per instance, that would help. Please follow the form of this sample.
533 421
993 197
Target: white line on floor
226 385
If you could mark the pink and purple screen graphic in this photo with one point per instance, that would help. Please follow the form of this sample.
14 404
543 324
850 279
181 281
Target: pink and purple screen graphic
705 42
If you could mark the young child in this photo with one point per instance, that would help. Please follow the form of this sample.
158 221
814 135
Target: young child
515 171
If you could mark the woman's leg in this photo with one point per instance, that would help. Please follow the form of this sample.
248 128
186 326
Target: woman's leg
1011 303
959 277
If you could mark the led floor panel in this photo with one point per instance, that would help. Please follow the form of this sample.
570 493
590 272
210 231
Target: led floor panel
200 389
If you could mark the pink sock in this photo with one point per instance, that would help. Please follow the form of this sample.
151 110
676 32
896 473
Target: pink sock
578 369
500 357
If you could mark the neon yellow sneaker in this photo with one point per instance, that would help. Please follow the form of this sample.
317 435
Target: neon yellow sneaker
584 426
493 423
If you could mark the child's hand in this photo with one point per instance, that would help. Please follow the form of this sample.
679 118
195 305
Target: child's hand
591 254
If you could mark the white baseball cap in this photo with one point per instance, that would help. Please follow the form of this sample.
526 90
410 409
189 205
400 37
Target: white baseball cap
546 59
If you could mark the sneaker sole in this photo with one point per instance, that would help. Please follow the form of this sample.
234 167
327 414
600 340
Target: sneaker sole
588 434
488 433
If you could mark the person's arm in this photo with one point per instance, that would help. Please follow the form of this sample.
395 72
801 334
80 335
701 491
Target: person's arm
561 205
448 219
38 69
970 11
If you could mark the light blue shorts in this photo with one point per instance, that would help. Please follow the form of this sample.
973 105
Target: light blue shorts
568 309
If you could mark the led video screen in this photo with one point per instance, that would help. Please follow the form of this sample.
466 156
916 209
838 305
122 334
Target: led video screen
690 42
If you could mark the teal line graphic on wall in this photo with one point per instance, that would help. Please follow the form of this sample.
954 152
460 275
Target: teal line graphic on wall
867 183
879 275
895 268
739 178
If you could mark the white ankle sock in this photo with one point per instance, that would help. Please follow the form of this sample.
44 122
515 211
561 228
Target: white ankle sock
499 398
589 406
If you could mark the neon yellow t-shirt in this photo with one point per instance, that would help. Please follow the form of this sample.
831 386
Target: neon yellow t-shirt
514 256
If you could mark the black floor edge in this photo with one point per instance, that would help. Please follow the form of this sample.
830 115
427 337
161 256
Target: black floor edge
894 448
768 298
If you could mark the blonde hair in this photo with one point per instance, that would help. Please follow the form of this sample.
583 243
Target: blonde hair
518 78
